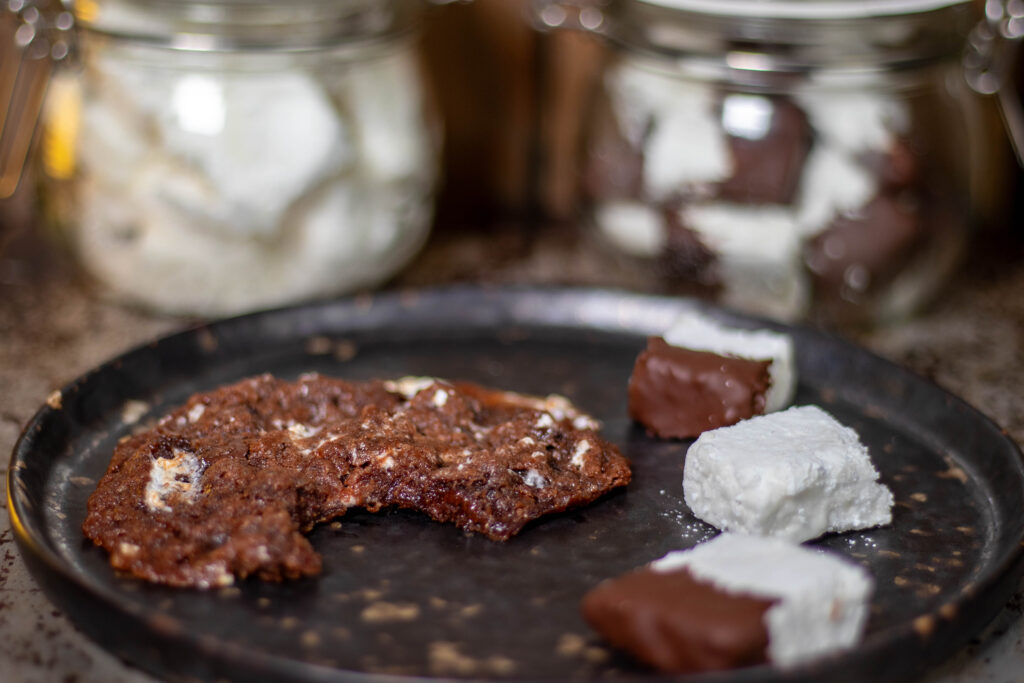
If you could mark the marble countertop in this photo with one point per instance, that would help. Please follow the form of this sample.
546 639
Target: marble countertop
53 328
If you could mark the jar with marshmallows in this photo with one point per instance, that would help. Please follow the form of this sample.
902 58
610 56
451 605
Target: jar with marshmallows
212 157
797 159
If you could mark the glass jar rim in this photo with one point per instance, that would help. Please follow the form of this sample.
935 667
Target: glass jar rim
231 25
806 9
708 34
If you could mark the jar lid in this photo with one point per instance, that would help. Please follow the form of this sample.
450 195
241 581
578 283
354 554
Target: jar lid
806 9
862 39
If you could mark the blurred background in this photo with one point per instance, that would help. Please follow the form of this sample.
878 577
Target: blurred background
514 111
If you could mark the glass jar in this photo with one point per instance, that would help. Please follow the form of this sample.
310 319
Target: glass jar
797 159
218 156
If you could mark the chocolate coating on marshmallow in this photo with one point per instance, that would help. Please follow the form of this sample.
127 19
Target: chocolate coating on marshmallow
680 393
677 623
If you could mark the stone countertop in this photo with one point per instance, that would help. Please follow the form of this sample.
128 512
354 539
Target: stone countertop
53 328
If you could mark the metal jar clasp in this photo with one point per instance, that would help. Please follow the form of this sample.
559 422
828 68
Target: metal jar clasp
36 35
990 63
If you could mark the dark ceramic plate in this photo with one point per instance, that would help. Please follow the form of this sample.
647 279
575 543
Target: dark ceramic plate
401 595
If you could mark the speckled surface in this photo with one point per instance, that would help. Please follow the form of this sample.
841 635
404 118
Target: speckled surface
52 329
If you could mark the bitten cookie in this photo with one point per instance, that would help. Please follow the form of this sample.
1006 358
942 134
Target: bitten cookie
226 485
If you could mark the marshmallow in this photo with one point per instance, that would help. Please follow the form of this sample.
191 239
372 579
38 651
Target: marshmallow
821 600
795 474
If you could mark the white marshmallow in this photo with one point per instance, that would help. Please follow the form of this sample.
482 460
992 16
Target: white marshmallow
822 599
633 227
796 474
694 331
686 144
758 251
832 183
854 120
411 385
237 143
385 99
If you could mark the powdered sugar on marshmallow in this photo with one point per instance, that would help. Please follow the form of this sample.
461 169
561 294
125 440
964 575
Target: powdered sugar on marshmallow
758 252
795 474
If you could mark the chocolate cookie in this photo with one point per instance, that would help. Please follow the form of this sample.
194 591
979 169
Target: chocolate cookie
226 485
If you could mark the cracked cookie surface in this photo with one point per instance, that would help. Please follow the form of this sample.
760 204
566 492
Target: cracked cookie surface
225 486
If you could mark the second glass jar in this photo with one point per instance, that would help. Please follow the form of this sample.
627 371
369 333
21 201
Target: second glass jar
815 163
